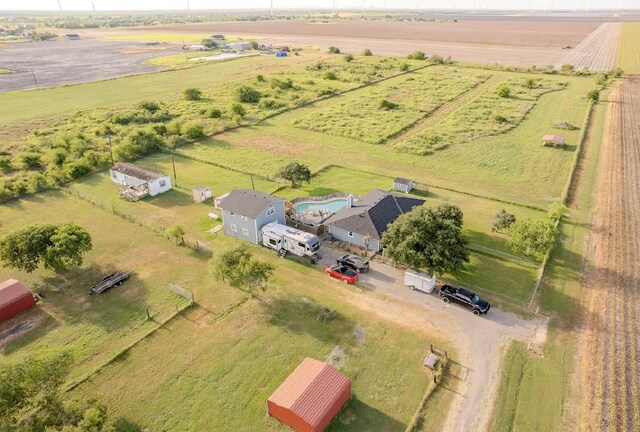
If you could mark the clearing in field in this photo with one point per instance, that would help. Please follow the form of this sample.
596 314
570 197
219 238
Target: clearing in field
628 50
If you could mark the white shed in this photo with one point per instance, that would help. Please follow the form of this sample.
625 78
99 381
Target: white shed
402 184
138 181
201 193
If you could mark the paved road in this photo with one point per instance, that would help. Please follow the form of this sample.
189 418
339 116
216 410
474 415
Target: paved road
483 340
66 62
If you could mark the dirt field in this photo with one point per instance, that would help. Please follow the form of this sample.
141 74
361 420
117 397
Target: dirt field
610 375
510 42
65 62
598 51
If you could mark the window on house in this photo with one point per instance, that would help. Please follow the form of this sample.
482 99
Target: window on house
350 234
234 227
163 183
271 211
245 232
244 218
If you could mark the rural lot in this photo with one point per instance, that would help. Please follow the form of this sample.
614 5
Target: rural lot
179 347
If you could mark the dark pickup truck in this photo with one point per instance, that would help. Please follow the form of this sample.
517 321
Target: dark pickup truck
108 282
466 297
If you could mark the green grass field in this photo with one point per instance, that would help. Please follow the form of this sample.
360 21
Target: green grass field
5 71
526 380
359 115
628 50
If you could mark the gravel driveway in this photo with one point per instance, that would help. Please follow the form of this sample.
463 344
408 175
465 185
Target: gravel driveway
481 347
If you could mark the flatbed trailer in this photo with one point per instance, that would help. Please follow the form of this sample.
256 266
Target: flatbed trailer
109 281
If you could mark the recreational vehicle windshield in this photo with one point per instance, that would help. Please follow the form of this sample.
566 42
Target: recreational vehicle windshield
285 239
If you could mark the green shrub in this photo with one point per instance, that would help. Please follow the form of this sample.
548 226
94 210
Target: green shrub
260 78
417 55
149 106
30 160
281 84
246 94
500 119
387 105
193 130
271 104
594 96
404 67
192 94
334 50
77 169
214 113
238 110
329 75
348 58
367 52
504 91
566 68
436 59
5 163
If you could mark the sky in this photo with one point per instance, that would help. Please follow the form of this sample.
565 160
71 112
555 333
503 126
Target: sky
106 5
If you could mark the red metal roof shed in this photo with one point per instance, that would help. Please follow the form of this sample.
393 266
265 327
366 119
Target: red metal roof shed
14 298
310 397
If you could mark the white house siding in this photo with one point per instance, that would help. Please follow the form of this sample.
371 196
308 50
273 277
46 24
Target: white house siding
155 187
356 240
403 187
159 186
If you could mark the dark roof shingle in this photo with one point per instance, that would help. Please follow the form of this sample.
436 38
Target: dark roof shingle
372 214
137 172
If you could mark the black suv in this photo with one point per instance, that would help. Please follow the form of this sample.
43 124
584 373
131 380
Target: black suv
354 262
466 297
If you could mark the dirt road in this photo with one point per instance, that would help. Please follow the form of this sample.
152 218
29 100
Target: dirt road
479 340
610 351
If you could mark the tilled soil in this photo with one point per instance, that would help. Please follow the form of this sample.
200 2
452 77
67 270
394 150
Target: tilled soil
611 350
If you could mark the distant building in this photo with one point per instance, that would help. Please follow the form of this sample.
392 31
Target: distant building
239 46
138 182
363 223
310 397
72 36
197 47
553 141
402 184
246 211
217 37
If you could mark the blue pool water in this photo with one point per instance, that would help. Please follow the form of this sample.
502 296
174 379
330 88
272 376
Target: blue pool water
332 206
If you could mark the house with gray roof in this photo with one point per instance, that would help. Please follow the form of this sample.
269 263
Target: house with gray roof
366 220
246 211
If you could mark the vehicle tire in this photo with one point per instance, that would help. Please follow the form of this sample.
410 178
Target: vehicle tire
446 299
345 281
476 312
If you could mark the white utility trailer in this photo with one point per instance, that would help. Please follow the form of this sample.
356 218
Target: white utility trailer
419 281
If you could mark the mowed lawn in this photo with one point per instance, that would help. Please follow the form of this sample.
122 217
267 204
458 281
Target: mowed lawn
96 328
175 207
217 376
628 48
513 166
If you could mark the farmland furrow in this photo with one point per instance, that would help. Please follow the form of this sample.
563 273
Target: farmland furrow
612 313
597 51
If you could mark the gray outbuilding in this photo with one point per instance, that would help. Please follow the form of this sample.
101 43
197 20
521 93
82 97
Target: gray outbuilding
402 184
246 211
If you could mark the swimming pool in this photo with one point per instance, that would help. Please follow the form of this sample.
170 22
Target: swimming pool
332 205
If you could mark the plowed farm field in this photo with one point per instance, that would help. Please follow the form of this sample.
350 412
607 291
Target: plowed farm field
611 349
598 51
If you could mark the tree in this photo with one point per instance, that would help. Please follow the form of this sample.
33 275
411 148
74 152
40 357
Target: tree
417 55
502 220
246 94
429 239
532 238
59 247
367 52
192 94
504 91
594 96
238 268
295 172
176 233
31 398
193 129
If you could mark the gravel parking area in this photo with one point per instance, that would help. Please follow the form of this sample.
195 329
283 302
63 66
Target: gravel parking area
481 339
68 62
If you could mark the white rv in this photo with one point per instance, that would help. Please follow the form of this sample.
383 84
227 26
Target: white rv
419 281
285 240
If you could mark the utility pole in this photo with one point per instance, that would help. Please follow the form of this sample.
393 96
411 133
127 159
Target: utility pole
175 178
271 7
188 8
59 6
34 78
94 7
110 147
